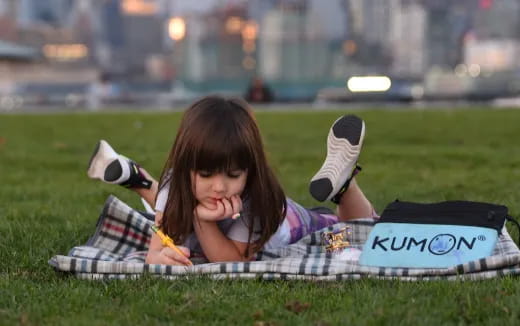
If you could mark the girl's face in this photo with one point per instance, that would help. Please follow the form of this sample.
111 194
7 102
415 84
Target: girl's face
212 187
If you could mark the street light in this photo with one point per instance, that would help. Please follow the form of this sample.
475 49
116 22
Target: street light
234 25
176 28
250 30
369 84
249 34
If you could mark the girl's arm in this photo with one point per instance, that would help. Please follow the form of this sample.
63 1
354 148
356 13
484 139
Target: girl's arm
158 254
216 246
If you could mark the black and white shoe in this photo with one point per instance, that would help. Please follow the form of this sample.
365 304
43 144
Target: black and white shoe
110 167
343 148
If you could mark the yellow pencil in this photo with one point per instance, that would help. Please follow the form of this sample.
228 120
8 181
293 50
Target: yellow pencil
167 241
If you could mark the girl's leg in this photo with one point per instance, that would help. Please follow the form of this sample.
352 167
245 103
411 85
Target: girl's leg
354 204
110 167
343 148
335 180
148 195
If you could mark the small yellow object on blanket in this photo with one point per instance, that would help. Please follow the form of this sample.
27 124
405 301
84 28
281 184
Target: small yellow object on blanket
335 241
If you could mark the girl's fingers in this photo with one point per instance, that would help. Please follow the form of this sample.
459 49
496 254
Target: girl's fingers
185 251
228 208
217 214
237 206
221 207
175 257
236 203
240 203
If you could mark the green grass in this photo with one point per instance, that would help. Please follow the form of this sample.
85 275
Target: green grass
48 205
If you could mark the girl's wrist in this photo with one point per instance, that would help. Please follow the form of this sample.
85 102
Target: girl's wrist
202 226
201 221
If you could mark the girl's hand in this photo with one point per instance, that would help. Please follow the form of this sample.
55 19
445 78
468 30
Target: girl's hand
225 208
168 256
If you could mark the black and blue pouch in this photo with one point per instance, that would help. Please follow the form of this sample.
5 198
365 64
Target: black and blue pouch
433 235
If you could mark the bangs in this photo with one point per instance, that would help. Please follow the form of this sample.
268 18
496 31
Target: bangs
222 153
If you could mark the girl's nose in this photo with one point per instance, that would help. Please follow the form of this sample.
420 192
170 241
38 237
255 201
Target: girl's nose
219 184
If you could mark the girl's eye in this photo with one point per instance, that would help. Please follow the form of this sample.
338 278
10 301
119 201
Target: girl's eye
235 174
205 174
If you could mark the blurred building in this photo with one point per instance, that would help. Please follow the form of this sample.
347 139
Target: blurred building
438 35
218 50
293 47
407 39
377 17
7 20
288 42
44 12
296 46
494 41
51 27
498 19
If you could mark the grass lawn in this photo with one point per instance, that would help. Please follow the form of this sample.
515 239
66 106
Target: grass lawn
48 205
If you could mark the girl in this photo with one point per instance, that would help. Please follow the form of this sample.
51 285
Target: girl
218 196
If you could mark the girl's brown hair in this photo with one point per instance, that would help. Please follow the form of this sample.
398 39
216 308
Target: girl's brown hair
219 134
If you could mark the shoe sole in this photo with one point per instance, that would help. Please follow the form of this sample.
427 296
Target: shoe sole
102 156
343 147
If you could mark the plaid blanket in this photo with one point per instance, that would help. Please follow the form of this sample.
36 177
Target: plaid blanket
118 247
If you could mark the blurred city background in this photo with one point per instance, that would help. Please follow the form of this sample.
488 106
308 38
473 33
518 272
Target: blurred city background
159 53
